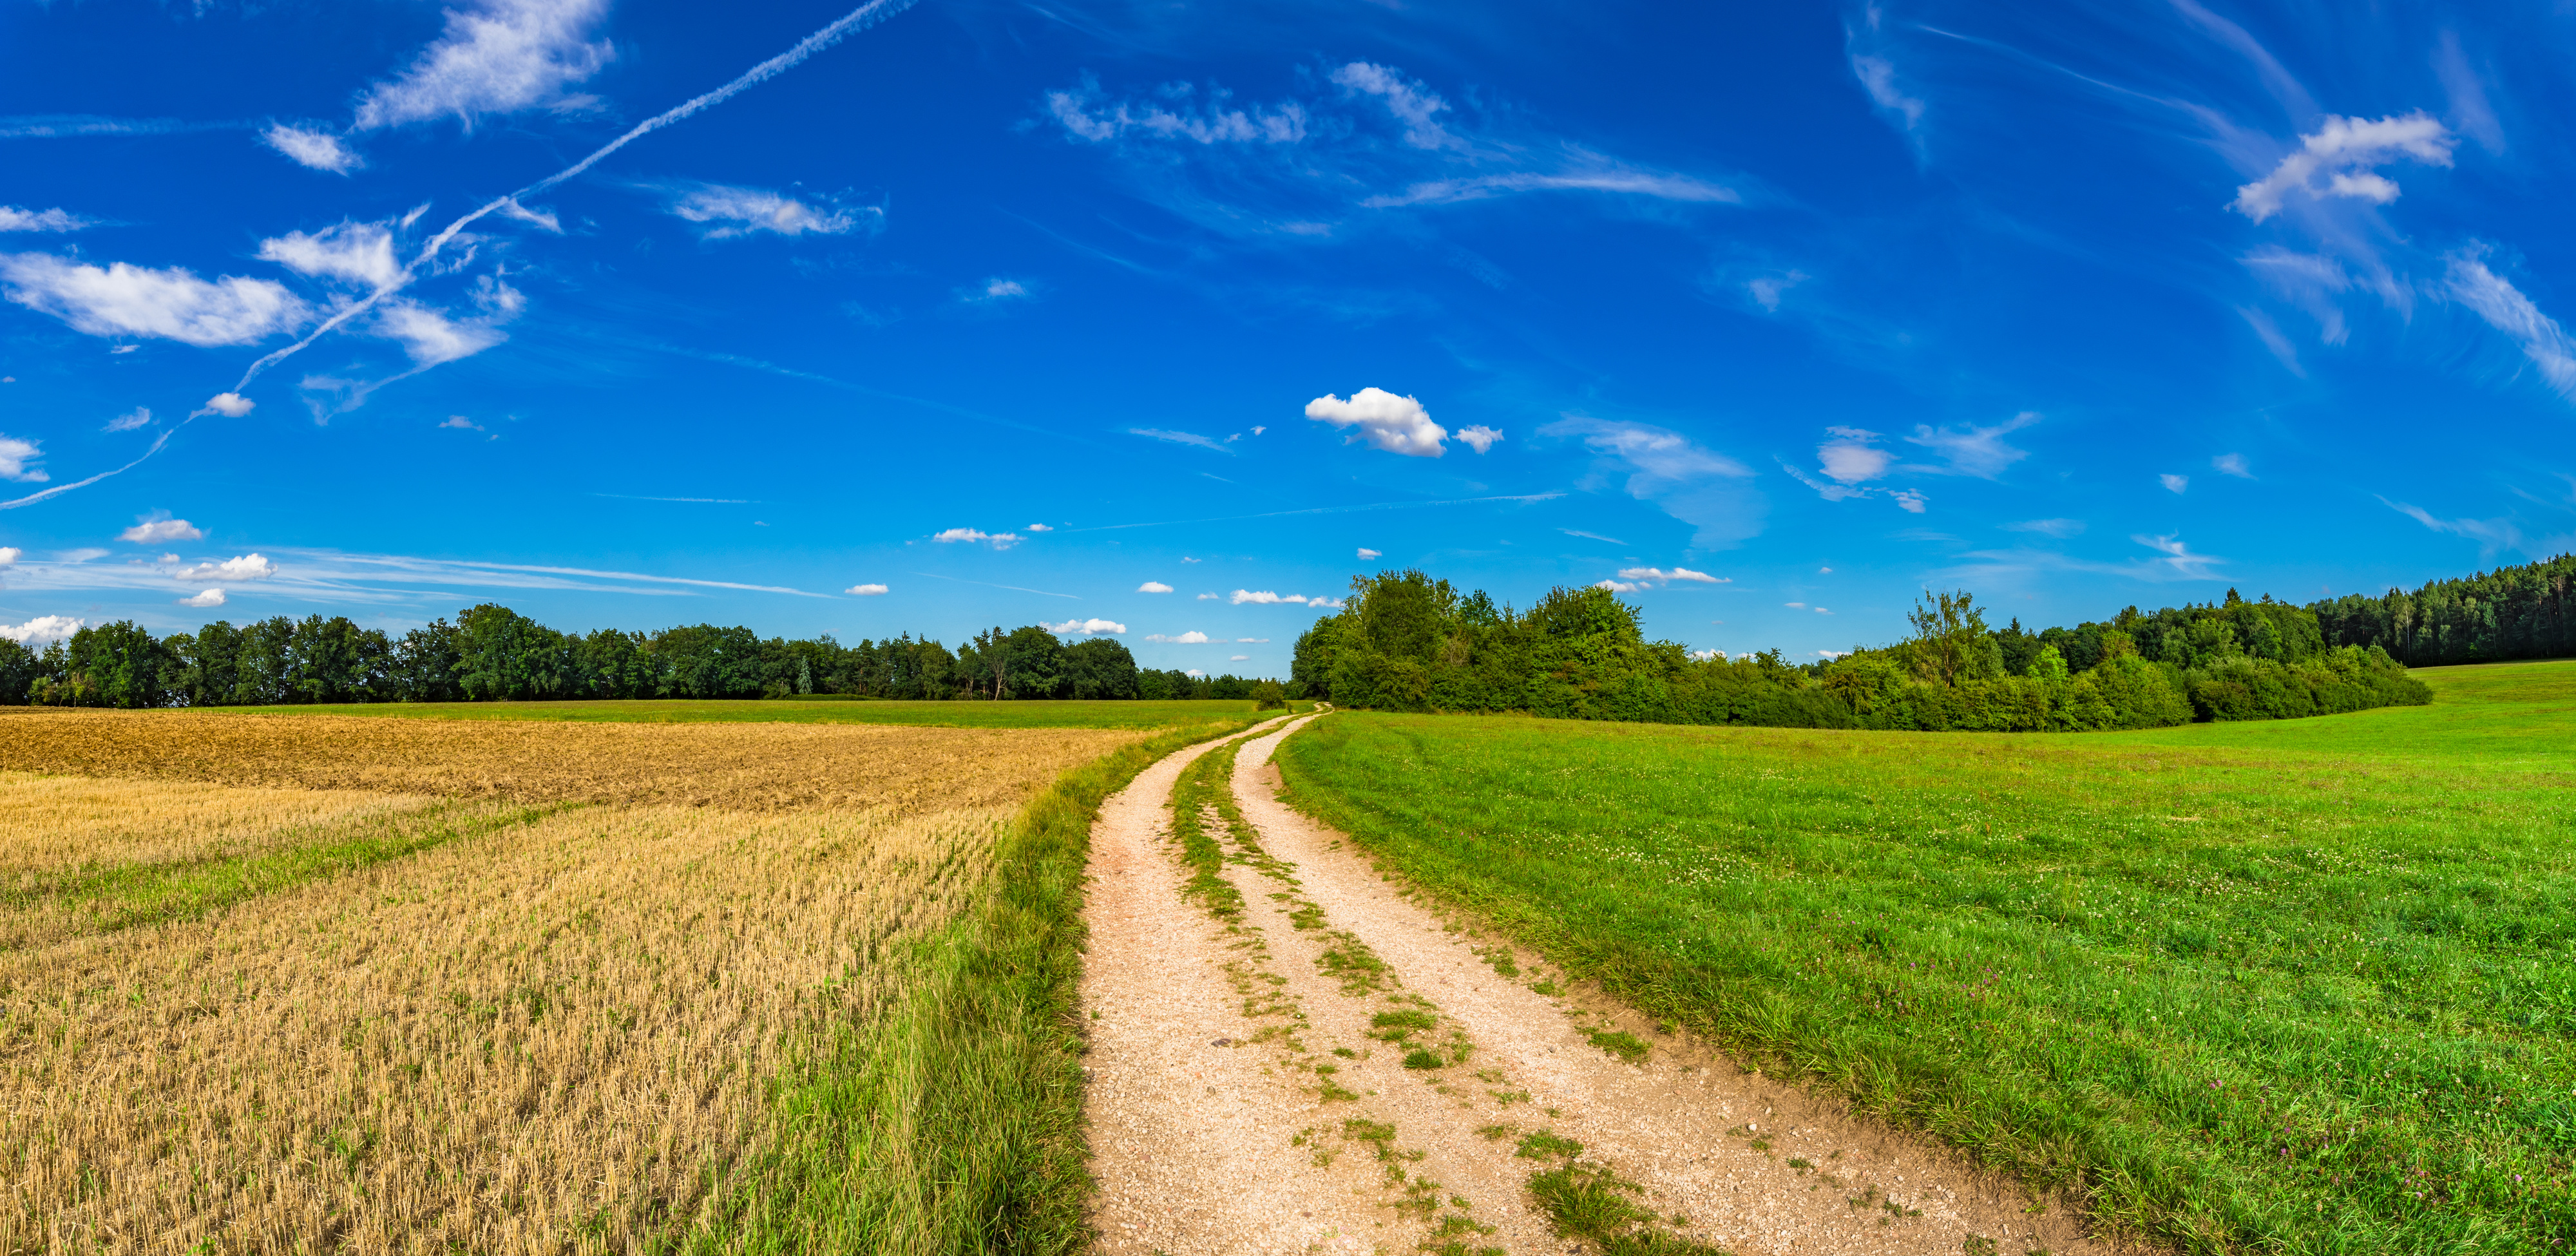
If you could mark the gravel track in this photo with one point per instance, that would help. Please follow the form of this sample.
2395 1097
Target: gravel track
1213 1130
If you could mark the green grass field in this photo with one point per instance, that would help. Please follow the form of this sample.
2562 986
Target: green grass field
825 710
2301 986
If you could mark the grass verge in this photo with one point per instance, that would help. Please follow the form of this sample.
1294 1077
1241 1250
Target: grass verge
2238 998
951 1123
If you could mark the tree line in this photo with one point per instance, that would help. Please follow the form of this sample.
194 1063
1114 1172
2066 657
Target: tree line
1406 641
2525 612
492 653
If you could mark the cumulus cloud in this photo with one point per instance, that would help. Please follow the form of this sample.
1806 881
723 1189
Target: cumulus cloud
161 529
1153 586
2492 297
125 300
997 289
1238 658
1398 425
2232 464
1662 576
2174 483
139 416
211 597
1195 672
229 405
17 458
2344 150
10 554
13 218
246 567
312 148
2059 528
1264 597
1366 554
1617 586
1039 527
1850 457
969 536
42 628
725 212
430 337
500 56
1207 597
1908 500
1479 437
1087 627
1977 451
1188 638
866 590
359 252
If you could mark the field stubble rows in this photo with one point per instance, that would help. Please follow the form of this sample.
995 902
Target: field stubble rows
521 1028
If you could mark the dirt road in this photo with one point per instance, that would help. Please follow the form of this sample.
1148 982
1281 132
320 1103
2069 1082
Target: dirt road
1345 1071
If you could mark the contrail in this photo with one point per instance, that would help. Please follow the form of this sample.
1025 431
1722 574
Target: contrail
855 20
851 23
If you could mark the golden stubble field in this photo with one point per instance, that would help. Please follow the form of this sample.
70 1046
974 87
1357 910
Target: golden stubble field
488 1000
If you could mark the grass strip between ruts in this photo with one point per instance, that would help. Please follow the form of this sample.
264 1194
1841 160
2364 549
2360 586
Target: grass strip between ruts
952 1122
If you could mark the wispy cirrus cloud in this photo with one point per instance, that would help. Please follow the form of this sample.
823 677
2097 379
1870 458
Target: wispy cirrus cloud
1170 436
1681 477
2468 280
312 148
496 57
724 212
13 218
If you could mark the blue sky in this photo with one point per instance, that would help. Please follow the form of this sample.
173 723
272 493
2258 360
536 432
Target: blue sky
938 316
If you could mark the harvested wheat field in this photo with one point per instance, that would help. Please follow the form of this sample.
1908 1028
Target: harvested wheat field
318 984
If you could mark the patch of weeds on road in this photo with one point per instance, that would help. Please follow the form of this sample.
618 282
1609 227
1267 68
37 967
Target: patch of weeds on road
1509 1097
1548 1145
1351 962
1455 1233
1500 957
1592 1203
1621 1043
1422 1059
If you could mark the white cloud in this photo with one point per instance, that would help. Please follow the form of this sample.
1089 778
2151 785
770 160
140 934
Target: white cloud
1766 289
1479 437
866 590
1264 597
229 405
2345 149
1182 117
1195 672
2270 334
2505 308
1594 174
10 554
2178 556
1795 606
727 212
1398 425
1877 76
1407 100
139 416
82 555
461 423
312 148
42 628
1238 658
1366 554
1188 559
1181 438
2490 534
1977 451
211 597
1207 597
2174 483
1908 500
1677 573
2059 528
1038 527
1850 458
246 567
1325 603
1617 586
969 536
500 57
1085 627
156 531
1252 640
1193 637
1822 611
1707 655
13 218
126 300
360 252
429 336
1153 586
998 289
2232 464
15 454
1684 480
